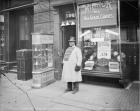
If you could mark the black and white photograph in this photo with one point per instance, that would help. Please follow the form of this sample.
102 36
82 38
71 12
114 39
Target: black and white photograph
69 55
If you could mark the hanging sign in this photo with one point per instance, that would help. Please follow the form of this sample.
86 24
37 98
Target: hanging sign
98 14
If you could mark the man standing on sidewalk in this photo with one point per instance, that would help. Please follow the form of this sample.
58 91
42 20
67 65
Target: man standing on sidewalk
71 67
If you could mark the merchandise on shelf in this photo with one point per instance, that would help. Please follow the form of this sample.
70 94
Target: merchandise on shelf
101 51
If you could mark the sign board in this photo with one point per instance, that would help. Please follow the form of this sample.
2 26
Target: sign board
42 39
104 50
98 14
114 66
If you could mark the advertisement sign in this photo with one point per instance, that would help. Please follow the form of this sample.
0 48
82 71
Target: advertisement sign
114 66
42 38
98 14
104 50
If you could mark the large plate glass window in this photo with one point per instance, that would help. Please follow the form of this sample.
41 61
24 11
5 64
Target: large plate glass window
99 33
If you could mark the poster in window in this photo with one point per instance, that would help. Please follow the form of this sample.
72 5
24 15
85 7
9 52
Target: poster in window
104 50
114 66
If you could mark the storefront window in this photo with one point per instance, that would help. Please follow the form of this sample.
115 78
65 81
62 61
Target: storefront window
100 36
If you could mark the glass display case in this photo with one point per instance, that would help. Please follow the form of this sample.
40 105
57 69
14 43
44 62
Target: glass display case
42 56
42 59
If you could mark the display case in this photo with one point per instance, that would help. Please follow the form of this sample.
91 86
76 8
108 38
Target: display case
42 56
42 59
100 38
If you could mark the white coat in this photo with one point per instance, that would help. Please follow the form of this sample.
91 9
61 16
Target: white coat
74 56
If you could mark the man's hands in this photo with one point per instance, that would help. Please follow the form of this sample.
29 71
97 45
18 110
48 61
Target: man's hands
77 68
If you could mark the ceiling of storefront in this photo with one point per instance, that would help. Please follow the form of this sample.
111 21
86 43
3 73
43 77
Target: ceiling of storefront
129 11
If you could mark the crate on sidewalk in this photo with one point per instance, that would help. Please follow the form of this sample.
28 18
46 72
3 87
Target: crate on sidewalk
24 69
43 77
24 64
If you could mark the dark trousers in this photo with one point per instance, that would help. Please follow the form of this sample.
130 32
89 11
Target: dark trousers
73 85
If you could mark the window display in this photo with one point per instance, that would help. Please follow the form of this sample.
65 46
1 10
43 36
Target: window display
101 51
99 34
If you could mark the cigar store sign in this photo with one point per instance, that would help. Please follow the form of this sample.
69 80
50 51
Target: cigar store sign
98 14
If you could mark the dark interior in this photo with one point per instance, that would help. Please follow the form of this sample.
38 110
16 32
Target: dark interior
129 11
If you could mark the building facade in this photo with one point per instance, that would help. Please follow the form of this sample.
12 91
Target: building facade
92 22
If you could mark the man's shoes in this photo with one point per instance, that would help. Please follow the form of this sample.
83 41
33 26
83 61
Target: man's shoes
67 90
75 91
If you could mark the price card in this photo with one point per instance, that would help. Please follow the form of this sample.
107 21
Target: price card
104 50
114 66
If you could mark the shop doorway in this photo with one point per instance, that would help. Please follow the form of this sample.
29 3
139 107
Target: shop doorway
67 32
20 28
129 18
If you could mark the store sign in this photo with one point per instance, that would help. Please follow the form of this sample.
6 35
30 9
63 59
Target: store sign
69 15
107 34
98 14
68 18
104 50
114 66
42 39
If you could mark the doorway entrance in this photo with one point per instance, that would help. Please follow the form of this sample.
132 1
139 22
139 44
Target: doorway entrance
20 28
68 31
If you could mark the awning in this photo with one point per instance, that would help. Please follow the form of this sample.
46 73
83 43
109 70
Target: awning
56 3
79 2
18 7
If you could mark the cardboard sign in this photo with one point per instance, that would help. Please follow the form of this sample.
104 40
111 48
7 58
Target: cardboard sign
104 50
42 38
114 66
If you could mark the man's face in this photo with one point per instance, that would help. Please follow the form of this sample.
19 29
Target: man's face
71 43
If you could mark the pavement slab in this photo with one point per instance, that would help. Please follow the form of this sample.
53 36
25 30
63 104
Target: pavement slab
91 97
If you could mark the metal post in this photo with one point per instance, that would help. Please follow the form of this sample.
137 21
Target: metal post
119 35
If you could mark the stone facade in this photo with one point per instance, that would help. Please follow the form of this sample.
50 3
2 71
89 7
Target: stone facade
46 19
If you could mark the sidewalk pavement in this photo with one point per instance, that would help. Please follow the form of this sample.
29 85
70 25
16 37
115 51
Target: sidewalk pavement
91 97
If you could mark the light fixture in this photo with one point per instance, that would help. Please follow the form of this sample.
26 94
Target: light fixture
72 23
85 33
67 23
62 24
